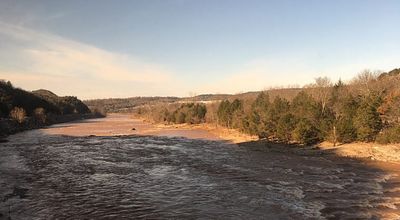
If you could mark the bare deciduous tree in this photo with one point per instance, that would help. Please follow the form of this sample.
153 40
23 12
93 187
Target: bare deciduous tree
321 90
364 81
18 114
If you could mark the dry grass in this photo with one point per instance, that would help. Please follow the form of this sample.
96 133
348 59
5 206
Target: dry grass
373 151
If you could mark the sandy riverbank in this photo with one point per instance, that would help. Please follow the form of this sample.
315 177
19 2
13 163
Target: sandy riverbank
222 133
373 151
124 124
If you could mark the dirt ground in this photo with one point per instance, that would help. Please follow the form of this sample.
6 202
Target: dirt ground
373 151
124 124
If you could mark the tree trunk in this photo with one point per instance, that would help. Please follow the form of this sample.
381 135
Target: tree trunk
334 136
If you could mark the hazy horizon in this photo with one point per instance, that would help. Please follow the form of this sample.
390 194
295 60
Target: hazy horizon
102 49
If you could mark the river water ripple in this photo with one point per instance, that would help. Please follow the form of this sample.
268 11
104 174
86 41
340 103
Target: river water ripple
133 177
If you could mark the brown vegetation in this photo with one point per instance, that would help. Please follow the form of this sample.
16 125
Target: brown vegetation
18 114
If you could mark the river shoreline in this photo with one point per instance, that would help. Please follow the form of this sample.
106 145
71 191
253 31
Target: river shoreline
103 167
157 177
125 124
370 151
9 127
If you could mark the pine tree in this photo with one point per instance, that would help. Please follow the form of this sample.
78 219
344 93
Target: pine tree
367 120
260 114
305 132
285 125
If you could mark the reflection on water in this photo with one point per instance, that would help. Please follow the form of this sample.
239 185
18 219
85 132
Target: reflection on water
55 177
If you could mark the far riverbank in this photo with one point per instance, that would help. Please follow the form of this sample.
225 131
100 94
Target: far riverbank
125 124
9 126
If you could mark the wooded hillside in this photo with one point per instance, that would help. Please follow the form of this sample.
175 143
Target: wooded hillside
31 103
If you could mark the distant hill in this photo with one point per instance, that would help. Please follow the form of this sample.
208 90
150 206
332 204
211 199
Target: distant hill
46 94
127 104
11 97
207 97
66 104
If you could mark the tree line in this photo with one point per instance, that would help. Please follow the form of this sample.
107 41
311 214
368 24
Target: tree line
304 119
191 113
365 109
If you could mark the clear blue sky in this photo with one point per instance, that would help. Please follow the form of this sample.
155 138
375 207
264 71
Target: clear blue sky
127 48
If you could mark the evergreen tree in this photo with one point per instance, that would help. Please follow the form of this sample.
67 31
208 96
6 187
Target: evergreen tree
180 117
304 106
367 120
305 132
261 115
223 113
285 125
237 114
251 123
345 130
280 107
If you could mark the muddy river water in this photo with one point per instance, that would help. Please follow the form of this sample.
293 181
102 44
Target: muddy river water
45 176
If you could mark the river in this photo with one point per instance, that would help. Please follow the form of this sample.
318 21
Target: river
49 176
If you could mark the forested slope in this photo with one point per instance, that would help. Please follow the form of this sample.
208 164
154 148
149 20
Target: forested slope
11 97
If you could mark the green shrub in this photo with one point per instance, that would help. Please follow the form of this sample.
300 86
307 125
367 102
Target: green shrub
250 124
305 132
228 112
389 136
180 118
346 131
286 125
367 120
